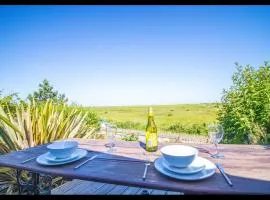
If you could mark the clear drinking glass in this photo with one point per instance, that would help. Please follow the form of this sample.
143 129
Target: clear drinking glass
111 137
216 132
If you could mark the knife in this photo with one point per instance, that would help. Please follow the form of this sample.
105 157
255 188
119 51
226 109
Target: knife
219 166
28 160
85 162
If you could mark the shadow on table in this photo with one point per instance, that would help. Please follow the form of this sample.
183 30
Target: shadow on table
142 144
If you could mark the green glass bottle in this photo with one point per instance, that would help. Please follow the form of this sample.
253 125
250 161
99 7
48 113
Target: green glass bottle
151 133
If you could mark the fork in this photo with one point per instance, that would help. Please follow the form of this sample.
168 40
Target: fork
221 169
145 170
147 163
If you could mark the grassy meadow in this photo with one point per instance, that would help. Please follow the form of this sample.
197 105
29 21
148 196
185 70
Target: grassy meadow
188 118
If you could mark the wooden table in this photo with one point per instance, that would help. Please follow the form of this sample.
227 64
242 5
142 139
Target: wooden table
248 167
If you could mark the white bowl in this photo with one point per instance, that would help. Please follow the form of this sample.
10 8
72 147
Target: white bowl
62 149
179 155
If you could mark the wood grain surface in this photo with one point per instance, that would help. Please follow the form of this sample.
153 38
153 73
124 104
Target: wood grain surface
248 167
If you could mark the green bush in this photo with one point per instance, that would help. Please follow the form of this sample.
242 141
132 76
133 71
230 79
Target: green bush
130 137
244 111
92 118
10 102
200 129
129 125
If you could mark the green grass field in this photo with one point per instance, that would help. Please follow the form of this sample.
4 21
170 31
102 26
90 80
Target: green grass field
167 117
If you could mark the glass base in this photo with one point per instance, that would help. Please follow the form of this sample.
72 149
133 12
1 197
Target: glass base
217 156
110 145
111 150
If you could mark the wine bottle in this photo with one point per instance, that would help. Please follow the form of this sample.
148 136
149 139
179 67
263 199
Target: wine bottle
151 133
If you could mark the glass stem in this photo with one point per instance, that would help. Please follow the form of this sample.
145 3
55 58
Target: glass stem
216 148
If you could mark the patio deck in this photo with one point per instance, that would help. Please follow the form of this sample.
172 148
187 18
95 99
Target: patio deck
81 187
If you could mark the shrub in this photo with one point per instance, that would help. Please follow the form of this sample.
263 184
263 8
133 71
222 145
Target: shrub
244 111
9 102
175 128
38 124
130 137
129 125
200 129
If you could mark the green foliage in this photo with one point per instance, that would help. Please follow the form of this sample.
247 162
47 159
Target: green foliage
39 124
9 102
174 127
92 118
245 108
130 137
135 117
199 129
129 125
45 92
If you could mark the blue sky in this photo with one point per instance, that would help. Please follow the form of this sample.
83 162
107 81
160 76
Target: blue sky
130 55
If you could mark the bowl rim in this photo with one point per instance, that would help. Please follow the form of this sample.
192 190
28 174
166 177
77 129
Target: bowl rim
192 153
54 145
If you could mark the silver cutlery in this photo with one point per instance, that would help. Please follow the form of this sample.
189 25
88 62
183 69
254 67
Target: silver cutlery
25 161
221 169
203 150
119 159
147 162
85 162
145 170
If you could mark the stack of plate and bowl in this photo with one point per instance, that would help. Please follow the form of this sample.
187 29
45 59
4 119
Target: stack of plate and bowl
61 152
182 162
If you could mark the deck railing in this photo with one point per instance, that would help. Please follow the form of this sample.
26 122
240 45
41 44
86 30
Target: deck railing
162 137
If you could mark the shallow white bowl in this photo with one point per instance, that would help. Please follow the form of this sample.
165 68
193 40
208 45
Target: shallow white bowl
179 155
62 149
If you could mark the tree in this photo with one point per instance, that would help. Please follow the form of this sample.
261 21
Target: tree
45 92
9 102
244 111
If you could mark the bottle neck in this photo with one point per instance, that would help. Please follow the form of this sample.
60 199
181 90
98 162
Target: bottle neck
150 112
150 118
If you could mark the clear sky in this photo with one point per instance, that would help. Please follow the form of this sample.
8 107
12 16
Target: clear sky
130 55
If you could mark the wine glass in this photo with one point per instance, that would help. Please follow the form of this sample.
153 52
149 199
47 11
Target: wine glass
216 132
111 136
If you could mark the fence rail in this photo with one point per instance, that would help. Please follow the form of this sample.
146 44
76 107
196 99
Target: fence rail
162 137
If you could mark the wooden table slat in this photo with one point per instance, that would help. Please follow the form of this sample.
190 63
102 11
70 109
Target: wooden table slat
105 189
118 190
63 189
158 192
248 167
131 190
174 193
89 187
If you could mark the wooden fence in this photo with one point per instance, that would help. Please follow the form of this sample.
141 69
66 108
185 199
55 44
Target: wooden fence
162 137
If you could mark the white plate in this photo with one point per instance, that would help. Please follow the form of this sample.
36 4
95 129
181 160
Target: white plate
52 158
197 165
208 171
79 153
